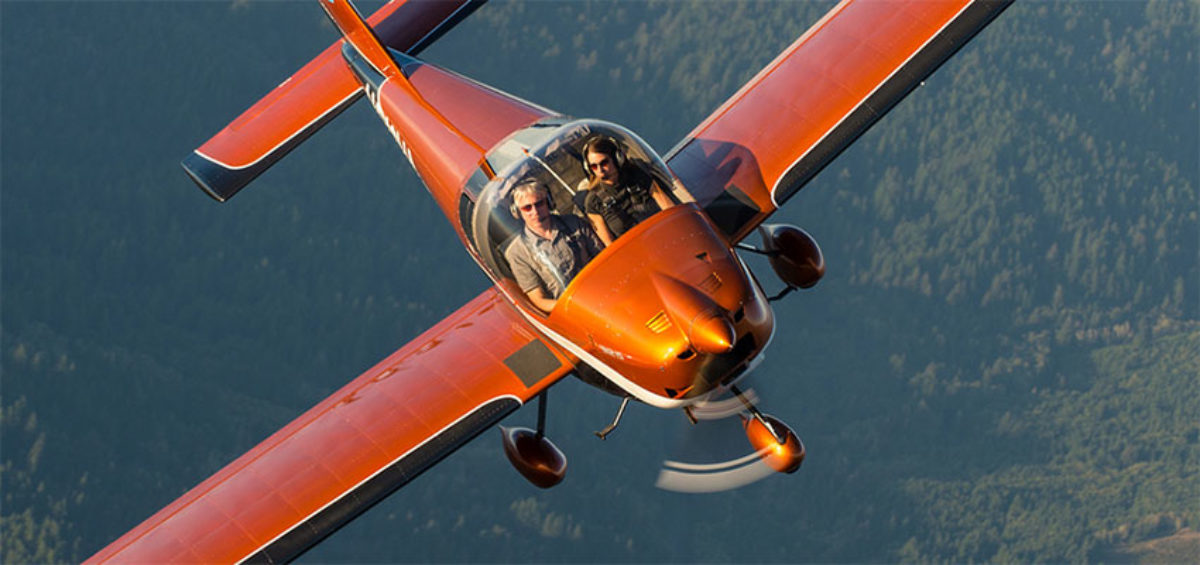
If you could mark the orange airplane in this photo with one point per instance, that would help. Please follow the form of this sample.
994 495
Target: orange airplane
666 313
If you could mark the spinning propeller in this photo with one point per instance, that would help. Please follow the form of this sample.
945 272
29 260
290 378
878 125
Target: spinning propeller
730 444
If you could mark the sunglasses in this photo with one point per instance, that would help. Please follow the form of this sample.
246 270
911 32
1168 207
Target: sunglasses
598 164
541 203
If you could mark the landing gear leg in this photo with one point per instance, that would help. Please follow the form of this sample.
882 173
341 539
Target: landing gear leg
541 425
782 293
757 414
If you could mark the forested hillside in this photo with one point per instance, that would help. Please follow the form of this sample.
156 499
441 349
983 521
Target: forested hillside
1001 364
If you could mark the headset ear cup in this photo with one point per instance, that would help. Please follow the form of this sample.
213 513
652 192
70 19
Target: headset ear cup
587 170
618 153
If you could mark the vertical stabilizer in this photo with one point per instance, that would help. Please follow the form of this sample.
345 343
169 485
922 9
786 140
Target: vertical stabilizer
360 35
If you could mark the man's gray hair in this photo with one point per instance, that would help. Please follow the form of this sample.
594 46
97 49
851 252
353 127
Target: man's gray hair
529 185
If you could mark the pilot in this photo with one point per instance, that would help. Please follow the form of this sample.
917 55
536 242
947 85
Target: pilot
620 194
552 248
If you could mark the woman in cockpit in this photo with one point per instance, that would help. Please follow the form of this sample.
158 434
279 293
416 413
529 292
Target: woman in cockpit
620 194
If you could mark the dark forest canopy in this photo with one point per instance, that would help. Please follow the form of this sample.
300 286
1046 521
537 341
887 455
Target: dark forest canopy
1000 366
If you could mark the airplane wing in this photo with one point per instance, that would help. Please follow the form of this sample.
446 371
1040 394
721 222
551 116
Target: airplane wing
415 407
313 96
776 133
356 447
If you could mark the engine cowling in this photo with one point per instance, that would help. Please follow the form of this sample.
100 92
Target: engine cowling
793 253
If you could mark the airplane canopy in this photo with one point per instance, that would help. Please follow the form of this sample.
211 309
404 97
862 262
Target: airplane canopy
550 152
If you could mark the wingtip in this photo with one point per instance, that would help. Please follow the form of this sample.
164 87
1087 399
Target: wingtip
217 181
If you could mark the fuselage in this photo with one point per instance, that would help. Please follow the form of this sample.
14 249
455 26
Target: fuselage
668 313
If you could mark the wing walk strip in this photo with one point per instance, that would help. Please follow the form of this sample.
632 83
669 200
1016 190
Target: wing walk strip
944 44
340 511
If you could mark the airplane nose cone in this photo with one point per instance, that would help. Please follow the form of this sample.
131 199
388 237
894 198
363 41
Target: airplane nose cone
703 322
711 333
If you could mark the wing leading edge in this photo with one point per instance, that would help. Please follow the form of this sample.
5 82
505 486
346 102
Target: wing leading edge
802 110
357 446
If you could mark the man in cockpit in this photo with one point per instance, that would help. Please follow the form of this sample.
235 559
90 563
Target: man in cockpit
620 194
551 249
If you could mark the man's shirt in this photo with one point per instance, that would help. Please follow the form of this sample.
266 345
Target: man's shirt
552 263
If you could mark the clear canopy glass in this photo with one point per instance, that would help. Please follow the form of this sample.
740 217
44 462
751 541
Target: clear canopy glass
554 157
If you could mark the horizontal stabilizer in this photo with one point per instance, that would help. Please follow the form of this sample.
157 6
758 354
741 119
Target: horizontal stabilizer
310 98
243 154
